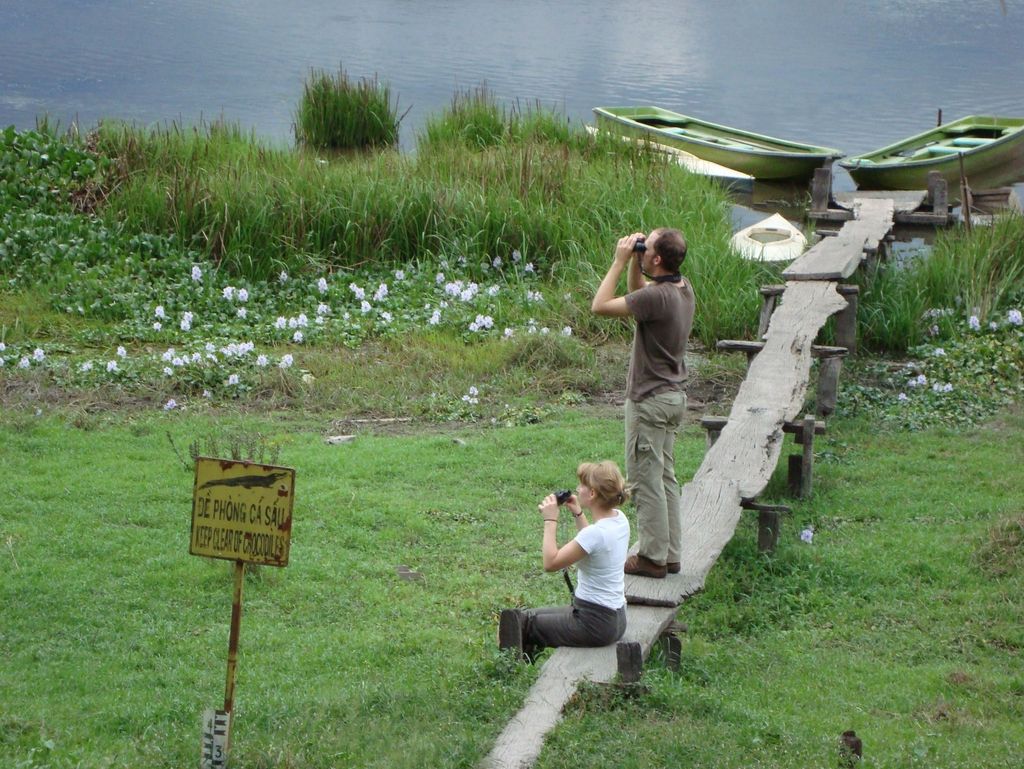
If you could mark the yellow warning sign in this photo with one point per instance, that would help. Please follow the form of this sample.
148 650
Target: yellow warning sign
242 511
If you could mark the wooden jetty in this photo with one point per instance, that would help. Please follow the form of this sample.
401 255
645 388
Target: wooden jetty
735 470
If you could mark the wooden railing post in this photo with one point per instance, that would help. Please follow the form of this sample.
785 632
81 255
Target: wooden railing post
828 384
846 319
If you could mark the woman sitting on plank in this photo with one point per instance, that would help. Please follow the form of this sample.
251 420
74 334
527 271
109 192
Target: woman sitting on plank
597 615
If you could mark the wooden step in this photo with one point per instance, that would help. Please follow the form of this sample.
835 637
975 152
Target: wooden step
775 289
712 423
751 348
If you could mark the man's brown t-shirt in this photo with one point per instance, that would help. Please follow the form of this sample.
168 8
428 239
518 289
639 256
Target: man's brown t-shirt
664 317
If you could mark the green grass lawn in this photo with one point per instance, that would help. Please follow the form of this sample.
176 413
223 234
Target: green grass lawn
903 619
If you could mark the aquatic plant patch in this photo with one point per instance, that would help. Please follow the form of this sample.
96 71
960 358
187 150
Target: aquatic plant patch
968 373
561 204
176 319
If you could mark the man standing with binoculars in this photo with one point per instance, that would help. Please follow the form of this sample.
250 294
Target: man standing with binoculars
661 302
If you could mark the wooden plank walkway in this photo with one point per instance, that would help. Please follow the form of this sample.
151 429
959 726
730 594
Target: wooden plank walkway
904 201
742 460
837 258
736 468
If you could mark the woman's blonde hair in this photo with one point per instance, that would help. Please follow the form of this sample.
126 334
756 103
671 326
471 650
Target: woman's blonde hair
605 480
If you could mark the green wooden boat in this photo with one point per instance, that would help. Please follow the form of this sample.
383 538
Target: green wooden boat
992 149
763 157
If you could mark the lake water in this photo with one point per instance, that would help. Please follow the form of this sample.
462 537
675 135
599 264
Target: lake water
851 75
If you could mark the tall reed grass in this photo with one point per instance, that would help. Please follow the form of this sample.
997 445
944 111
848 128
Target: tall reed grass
336 113
547 190
981 271
476 120
978 273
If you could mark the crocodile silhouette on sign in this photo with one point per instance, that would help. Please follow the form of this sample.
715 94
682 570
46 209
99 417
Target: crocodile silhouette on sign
248 481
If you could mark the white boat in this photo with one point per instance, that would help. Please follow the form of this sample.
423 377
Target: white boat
771 240
730 178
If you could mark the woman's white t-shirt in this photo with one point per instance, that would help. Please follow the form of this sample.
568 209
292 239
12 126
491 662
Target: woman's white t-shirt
606 543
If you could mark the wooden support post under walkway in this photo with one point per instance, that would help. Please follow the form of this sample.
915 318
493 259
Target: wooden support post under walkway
735 469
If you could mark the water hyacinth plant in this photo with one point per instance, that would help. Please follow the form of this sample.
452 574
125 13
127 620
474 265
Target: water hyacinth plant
336 113
967 373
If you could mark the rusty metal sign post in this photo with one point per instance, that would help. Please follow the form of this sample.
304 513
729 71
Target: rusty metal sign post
241 512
